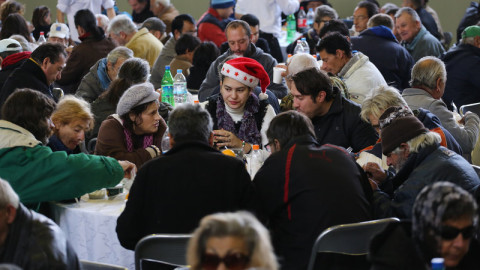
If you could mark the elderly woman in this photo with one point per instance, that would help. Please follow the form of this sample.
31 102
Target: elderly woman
234 240
135 132
72 119
240 118
132 71
444 223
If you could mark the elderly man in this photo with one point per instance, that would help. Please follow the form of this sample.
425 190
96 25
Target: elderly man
182 24
35 172
425 17
362 13
140 10
211 26
239 39
415 37
31 240
143 44
336 119
38 72
419 160
157 28
212 182
463 66
382 48
102 74
323 14
165 11
428 85
299 203
358 73
58 34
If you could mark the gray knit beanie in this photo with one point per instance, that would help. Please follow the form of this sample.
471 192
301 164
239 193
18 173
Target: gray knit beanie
137 94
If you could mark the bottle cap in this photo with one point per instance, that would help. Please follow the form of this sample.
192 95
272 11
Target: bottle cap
167 67
179 71
255 147
42 33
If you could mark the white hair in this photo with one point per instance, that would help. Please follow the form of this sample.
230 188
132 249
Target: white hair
426 72
301 62
8 195
409 11
121 23
421 141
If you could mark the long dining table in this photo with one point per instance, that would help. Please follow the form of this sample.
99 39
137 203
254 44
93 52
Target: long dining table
90 227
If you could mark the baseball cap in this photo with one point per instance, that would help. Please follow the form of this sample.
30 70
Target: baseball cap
9 45
59 30
471 31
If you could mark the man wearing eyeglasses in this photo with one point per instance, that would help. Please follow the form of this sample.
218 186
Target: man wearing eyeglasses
418 159
362 13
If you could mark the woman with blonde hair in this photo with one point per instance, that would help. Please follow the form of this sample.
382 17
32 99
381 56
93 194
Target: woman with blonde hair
236 240
72 119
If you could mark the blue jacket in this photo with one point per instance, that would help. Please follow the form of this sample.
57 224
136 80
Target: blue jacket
463 83
384 51
431 164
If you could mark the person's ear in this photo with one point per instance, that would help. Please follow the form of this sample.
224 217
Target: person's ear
405 146
132 116
11 213
321 97
45 62
277 144
339 53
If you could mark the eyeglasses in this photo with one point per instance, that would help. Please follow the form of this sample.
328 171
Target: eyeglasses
234 261
449 233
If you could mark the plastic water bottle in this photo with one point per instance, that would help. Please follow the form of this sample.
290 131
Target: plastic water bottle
291 28
310 17
302 20
438 264
167 87
306 48
298 48
256 161
41 39
180 88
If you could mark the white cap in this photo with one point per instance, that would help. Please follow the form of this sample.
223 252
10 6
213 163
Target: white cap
59 30
5 43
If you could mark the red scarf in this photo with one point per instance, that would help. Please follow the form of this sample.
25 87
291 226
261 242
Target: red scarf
15 58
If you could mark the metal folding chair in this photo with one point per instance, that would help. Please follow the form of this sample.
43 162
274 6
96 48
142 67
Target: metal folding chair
348 239
169 249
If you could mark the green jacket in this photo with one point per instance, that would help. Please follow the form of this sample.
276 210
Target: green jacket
37 174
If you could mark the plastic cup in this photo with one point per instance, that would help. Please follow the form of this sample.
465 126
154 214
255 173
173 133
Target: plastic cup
277 74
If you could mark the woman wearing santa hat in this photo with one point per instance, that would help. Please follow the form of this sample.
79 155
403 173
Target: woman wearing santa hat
240 118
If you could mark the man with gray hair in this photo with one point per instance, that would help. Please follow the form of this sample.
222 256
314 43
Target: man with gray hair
382 48
102 74
165 11
206 181
463 66
415 37
429 77
157 28
143 44
418 159
31 240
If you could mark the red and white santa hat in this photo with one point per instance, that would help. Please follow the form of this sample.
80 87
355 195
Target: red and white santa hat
249 72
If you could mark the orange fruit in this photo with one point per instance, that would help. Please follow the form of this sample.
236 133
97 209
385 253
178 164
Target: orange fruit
228 152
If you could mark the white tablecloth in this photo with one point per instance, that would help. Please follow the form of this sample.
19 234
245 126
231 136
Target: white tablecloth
90 228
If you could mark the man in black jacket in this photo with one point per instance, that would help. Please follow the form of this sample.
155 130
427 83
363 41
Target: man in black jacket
38 72
173 192
30 240
299 187
336 120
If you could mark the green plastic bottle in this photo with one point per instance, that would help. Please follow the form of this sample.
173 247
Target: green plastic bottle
291 28
167 87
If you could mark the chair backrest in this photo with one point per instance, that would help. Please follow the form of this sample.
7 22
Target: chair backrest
474 107
88 265
348 239
165 248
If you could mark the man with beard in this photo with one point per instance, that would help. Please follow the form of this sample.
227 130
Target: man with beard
419 160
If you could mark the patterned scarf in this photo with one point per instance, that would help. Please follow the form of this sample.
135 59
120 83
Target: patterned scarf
248 127
147 140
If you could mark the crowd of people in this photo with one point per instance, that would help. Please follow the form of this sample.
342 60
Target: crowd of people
363 126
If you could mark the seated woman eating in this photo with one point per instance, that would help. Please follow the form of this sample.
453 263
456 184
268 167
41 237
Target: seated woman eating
72 119
240 119
135 132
